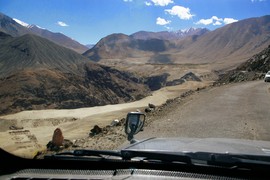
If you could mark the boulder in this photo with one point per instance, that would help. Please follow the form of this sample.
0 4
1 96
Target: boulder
96 130
58 138
151 106
115 122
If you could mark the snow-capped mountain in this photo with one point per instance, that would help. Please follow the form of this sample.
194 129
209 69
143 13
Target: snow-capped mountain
29 26
21 22
16 27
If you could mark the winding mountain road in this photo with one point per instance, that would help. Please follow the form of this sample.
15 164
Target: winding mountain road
239 111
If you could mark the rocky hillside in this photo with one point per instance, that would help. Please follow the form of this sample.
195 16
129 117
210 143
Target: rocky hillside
258 63
38 74
252 69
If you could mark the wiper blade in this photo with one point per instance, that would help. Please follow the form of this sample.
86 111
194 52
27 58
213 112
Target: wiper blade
192 158
201 158
124 155
236 161
163 156
84 153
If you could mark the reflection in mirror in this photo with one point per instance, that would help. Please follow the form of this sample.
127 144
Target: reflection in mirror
134 123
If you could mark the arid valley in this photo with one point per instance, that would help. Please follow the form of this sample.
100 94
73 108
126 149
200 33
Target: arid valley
195 78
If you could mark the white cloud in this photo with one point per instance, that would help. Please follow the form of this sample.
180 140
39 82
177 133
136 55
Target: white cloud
162 22
253 1
217 23
162 2
181 12
205 21
60 23
148 3
214 20
128 0
229 20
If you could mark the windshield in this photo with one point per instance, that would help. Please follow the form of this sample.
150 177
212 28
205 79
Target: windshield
71 71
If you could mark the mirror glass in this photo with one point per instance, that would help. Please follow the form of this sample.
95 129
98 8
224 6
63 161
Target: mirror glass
134 122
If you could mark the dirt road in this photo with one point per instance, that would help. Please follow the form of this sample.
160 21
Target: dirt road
231 111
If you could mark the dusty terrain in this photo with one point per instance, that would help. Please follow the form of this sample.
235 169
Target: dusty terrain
28 132
194 109
238 110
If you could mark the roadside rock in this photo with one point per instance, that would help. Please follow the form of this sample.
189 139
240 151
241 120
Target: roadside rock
66 144
58 138
151 106
96 130
58 142
15 127
115 122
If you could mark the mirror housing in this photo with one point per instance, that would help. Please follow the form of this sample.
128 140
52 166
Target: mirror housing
134 124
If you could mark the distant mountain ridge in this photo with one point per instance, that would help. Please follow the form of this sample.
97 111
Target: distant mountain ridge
234 42
230 44
18 28
169 35
122 46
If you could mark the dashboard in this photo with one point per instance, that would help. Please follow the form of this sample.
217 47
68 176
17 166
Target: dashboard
64 174
17 168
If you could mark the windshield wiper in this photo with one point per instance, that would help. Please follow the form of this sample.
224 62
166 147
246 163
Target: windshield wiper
163 156
239 161
194 158
124 155
201 158
84 153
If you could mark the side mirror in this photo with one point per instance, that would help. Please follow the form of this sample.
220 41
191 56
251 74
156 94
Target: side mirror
134 124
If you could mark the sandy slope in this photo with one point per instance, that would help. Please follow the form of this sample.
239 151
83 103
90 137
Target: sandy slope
38 126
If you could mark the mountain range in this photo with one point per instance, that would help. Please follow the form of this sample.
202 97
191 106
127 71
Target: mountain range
18 28
139 44
231 44
41 70
36 73
169 35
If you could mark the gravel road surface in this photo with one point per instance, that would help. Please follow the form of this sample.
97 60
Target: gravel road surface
231 111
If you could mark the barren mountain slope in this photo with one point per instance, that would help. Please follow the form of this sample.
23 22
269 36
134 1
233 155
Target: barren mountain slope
38 74
226 46
10 26
233 43
30 51
121 46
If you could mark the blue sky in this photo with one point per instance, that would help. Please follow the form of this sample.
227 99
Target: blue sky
87 21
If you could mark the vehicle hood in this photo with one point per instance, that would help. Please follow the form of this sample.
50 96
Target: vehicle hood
213 145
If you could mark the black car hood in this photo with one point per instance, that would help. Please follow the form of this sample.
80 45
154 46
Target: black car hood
213 145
